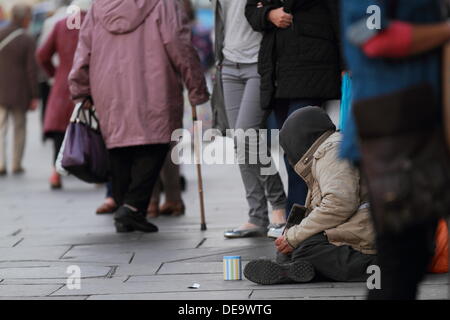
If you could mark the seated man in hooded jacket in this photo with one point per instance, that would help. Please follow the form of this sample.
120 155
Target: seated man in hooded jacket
335 238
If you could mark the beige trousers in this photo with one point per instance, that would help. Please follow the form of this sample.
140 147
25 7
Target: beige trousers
19 121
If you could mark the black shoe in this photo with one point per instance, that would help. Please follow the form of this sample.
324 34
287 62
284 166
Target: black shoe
120 228
268 272
135 220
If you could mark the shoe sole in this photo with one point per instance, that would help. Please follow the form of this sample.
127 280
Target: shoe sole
267 272
128 222
245 234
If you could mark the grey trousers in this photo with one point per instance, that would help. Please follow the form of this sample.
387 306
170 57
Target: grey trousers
20 121
241 83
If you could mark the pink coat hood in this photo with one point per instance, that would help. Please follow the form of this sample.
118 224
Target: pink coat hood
124 16
133 58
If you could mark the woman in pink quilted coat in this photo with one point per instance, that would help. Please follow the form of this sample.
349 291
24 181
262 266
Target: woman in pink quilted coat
132 59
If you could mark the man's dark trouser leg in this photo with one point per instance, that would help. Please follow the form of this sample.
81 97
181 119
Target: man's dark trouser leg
404 259
120 162
337 263
135 171
145 169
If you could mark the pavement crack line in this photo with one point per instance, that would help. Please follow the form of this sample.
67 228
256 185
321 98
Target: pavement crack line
251 293
132 258
15 233
112 272
18 242
201 243
66 252
159 268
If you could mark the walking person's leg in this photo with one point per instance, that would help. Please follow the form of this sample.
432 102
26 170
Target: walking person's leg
144 169
404 259
3 133
242 100
55 179
20 126
170 177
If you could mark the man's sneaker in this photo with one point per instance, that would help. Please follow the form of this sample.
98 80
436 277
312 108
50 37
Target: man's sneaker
128 219
276 230
268 272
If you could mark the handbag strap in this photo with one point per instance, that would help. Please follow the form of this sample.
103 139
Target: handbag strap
10 38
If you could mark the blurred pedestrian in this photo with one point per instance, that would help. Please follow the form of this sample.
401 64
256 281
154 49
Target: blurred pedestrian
59 13
237 58
62 41
131 58
299 62
397 82
18 83
3 21
169 182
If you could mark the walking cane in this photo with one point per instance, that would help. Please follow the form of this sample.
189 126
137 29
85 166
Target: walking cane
199 172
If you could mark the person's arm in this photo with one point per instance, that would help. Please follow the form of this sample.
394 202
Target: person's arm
45 53
257 15
79 82
339 185
176 35
403 39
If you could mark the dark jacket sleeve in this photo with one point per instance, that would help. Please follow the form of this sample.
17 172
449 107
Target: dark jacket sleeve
257 17
334 8
32 69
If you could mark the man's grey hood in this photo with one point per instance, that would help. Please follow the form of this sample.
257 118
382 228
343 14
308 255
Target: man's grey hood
302 129
123 16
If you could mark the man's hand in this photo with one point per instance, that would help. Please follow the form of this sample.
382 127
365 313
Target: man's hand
283 245
280 18
34 105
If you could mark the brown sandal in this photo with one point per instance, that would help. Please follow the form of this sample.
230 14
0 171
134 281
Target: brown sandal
153 210
173 209
107 208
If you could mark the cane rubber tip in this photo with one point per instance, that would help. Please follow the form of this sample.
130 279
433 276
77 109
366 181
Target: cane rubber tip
203 227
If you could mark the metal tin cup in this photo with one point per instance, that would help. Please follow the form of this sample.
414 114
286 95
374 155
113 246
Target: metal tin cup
232 268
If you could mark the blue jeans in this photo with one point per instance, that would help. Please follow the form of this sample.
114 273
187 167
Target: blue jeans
297 189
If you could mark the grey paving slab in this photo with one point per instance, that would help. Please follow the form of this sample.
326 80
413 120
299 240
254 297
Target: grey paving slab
191 268
205 295
27 290
52 272
37 253
308 293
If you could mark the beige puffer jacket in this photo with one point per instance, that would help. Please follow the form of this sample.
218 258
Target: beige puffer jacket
336 203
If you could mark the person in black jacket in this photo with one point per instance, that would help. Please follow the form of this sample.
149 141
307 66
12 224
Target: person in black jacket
299 61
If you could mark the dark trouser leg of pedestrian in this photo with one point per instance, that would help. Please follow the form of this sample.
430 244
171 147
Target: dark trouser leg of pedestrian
3 132
120 162
170 179
44 92
135 171
331 262
20 132
297 189
404 259
58 139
